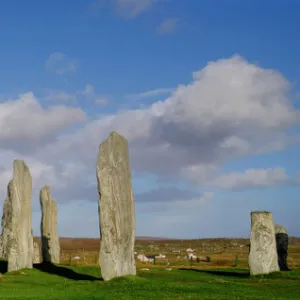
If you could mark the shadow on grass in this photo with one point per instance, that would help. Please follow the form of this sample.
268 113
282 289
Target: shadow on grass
64 272
3 266
237 274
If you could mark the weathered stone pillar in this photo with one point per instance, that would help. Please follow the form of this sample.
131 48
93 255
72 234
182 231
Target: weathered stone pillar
36 253
282 243
20 241
49 236
263 253
116 208
6 227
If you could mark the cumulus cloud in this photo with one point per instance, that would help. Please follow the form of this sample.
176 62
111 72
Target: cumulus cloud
25 128
61 64
231 109
24 122
168 25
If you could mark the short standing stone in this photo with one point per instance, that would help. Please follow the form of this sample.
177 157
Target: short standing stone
20 241
116 208
36 253
282 243
50 239
263 253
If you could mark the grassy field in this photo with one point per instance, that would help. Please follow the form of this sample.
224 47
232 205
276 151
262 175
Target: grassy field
82 282
222 252
224 276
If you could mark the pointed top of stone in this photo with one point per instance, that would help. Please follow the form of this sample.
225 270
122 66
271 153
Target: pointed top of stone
116 134
260 212
280 229
45 193
46 187
19 164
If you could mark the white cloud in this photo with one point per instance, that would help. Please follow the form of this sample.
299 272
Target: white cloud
25 121
253 178
168 25
231 109
149 94
61 64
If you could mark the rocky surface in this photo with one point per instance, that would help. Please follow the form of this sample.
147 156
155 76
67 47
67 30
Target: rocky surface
36 253
116 208
282 243
20 241
6 228
49 235
263 252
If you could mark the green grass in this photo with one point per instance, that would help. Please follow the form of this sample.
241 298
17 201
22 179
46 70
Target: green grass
224 284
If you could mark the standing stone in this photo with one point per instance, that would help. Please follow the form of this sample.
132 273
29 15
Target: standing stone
282 243
263 253
20 241
116 208
6 228
36 253
50 239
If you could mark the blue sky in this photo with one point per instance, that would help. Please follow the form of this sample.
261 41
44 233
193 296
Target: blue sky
206 92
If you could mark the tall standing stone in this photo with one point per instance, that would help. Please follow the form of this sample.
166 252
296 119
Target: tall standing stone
116 208
20 241
282 243
50 239
263 254
6 228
